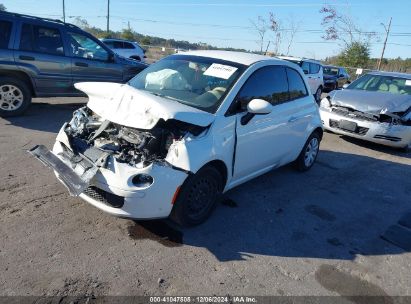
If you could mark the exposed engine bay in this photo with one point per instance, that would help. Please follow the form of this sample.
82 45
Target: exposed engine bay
127 145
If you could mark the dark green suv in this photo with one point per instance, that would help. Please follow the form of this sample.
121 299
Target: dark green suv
44 58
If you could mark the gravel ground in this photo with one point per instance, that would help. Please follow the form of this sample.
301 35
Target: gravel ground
284 233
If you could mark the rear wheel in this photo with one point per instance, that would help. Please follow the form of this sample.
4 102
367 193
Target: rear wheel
309 153
198 196
15 97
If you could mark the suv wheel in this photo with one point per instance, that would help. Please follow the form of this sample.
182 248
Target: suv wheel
15 96
318 93
309 153
198 196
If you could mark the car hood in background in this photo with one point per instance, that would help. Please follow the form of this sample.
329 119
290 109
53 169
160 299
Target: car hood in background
127 106
371 102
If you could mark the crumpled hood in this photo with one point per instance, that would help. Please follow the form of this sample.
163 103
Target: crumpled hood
371 102
127 106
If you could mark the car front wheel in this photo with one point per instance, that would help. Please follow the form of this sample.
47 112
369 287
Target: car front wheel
15 97
197 197
309 153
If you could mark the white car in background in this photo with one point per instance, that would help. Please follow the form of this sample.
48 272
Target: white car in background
125 48
313 69
184 131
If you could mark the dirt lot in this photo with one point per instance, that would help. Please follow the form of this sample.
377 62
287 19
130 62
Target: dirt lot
285 233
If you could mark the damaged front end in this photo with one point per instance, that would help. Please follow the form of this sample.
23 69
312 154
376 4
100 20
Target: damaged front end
89 144
383 126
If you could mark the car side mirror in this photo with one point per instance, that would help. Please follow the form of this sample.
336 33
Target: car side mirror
305 72
345 85
256 107
341 75
259 107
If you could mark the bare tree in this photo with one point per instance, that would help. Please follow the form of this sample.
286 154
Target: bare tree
2 7
260 25
293 28
341 27
277 32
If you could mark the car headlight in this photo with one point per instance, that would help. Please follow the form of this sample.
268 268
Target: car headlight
325 103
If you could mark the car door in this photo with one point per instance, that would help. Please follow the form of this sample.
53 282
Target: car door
91 60
315 76
301 110
305 66
263 142
40 52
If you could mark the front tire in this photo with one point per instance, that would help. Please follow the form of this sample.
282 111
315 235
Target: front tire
15 97
198 197
309 153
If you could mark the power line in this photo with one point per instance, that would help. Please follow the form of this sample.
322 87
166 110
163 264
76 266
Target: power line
314 31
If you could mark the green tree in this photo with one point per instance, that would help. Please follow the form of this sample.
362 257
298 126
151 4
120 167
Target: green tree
128 34
145 41
2 7
356 54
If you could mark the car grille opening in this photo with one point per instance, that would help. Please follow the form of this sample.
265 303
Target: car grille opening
390 138
105 197
360 130
353 114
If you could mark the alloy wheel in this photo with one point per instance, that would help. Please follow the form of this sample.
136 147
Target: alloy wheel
11 97
311 152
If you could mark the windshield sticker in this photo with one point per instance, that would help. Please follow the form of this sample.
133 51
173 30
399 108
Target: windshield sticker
408 82
220 71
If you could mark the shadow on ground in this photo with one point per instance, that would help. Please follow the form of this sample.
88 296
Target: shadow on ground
38 115
335 211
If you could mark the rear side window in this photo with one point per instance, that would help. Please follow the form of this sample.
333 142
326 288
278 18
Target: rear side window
128 45
41 39
268 83
314 68
109 44
118 45
306 67
296 84
5 33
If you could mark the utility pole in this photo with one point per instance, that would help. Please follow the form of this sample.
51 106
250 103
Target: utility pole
64 12
385 43
108 16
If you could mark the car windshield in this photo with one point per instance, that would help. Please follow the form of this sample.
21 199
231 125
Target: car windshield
199 82
382 83
331 71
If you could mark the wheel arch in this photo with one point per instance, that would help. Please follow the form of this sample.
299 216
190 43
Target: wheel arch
221 168
21 76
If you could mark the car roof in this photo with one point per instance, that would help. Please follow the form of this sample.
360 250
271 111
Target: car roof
392 74
117 39
238 57
299 59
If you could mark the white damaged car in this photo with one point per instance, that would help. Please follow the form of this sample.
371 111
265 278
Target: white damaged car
184 131
375 107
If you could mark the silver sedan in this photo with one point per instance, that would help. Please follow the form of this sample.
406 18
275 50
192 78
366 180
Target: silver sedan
375 107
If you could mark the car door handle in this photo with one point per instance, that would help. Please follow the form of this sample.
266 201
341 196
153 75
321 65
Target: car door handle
81 64
23 57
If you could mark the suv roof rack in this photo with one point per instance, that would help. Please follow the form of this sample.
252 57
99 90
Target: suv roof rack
38 18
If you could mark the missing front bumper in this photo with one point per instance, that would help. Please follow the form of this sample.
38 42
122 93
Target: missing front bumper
75 175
